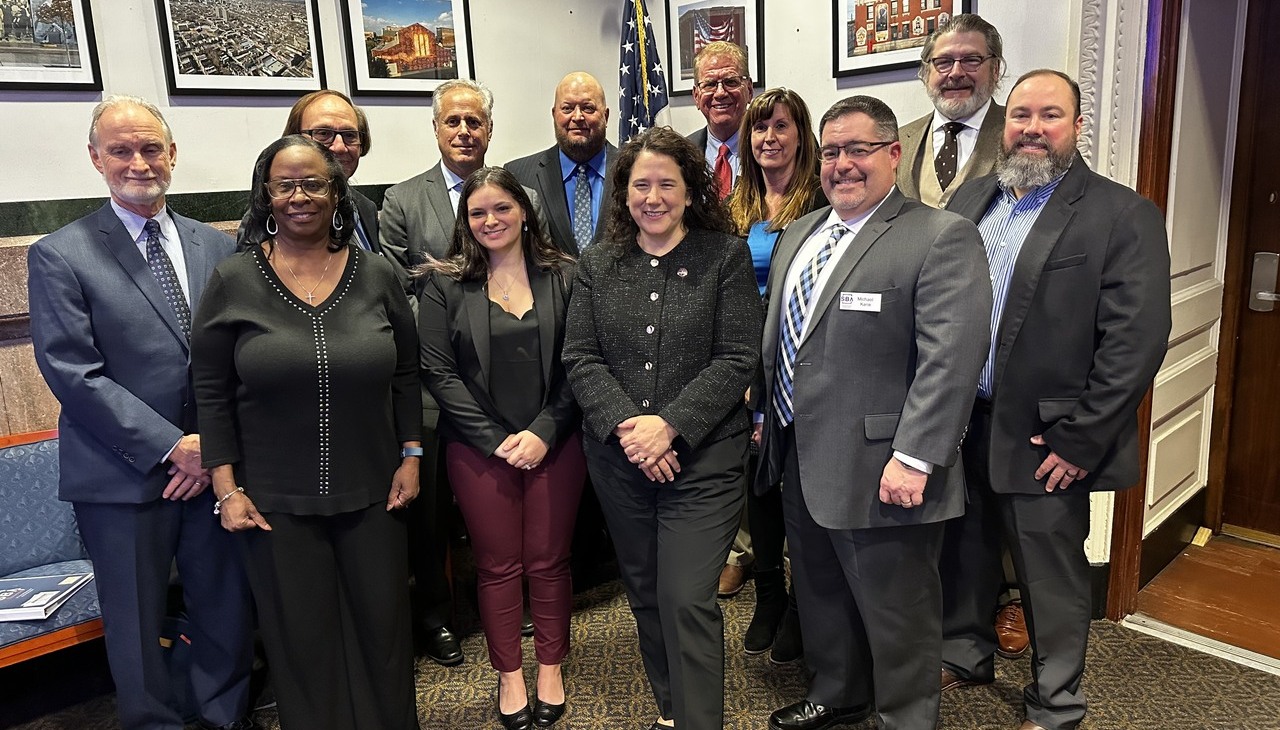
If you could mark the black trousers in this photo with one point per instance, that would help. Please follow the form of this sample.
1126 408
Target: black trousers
672 540
430 521
333 603
1045 534
870 610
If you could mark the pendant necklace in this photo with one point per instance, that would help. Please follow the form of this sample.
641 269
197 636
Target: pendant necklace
311 299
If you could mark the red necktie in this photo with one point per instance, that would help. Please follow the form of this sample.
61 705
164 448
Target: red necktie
723 172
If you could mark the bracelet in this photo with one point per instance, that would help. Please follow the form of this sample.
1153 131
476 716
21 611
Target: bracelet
410 451
217 506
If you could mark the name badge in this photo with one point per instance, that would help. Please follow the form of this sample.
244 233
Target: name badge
857 302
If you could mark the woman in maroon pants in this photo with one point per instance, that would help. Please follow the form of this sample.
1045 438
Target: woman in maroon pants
491 324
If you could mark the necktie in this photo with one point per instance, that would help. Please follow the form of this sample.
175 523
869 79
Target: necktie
724 172
793 324
581 208
361 236
946 162
162 269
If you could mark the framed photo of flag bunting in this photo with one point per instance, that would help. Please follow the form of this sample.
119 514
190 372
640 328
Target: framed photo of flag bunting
692 24
882 35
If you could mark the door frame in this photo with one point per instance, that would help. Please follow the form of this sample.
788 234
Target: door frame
1155 149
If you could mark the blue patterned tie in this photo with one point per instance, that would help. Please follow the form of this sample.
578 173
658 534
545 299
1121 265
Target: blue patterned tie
162 268
793 324
582 208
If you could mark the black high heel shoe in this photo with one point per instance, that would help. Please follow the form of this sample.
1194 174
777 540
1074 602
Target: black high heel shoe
546 714
521 719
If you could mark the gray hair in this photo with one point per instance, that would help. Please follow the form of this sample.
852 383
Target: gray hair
116 100
964 23
880 113
486 96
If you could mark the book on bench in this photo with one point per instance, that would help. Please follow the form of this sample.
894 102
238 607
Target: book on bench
37 597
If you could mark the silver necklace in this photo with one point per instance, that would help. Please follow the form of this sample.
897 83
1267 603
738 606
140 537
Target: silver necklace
311 299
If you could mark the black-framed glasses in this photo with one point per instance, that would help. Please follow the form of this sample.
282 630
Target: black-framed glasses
350 137
944 64
730 83
312 187
853 150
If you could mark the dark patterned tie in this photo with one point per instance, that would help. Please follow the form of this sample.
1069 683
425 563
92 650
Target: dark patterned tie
793 325
162 268
946 162
582 208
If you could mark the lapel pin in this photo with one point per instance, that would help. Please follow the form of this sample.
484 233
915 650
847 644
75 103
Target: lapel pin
682 272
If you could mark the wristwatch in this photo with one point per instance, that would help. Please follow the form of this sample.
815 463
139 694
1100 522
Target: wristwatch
410 451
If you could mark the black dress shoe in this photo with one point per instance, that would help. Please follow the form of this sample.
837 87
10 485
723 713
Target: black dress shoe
526 625
244 723
521 719
546 714
443 647
805 715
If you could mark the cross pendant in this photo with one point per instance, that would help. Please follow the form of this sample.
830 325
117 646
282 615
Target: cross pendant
311 299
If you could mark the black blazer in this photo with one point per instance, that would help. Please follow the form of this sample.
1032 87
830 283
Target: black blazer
453 329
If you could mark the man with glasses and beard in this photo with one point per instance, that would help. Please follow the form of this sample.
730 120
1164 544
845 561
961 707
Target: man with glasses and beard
961 65
1080 274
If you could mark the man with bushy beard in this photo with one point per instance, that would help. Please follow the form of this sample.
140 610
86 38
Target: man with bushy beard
1080 272
961 64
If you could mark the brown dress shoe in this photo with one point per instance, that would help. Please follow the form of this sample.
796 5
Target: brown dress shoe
1011 631
732 578
951 680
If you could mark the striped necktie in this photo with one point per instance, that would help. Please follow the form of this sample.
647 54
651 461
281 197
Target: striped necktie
793 325
162 268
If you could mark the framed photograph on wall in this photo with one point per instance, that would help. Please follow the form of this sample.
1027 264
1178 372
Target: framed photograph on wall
48 45
692 24
265 47
881 35
396 48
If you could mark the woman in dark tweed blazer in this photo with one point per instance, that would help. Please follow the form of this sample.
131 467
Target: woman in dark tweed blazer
663 337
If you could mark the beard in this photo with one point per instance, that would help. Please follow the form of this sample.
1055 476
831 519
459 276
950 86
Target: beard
138 192
961 108
1021 171
580 149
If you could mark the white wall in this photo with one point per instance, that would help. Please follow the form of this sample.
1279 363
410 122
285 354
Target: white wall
522 48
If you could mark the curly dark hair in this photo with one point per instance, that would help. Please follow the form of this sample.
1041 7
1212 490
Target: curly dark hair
705 210
467 259
255 230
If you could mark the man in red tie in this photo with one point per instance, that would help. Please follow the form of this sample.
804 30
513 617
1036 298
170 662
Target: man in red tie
721 89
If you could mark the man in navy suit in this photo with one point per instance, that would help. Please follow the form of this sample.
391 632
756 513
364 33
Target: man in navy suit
111 300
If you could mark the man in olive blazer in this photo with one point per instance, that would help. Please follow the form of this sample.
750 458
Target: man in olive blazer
866 440
1082 323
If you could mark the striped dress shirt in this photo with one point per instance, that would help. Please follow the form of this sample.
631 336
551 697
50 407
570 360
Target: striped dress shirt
1004 227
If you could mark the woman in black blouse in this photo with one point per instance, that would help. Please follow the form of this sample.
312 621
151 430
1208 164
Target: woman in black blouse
304 359
491 320
663 339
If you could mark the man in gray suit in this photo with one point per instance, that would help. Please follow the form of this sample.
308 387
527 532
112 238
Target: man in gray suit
721 89
111 300
1080 270
877 325
573 176
961 65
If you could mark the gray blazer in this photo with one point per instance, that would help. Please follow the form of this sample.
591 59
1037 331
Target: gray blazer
541 173
1085 328
110 347
869 383
914 135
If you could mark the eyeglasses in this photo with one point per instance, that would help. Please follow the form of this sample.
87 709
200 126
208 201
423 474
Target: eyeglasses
326 137
730 83
852 150
944 64
312 187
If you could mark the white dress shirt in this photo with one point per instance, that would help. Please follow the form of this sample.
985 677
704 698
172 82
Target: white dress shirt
169 241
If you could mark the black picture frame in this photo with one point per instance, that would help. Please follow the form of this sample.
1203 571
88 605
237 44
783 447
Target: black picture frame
243 34
50 53
686 18
884 35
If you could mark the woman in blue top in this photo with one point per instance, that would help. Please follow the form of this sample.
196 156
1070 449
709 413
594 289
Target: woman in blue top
778 184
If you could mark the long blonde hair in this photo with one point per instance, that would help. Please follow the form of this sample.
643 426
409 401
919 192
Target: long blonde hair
746 205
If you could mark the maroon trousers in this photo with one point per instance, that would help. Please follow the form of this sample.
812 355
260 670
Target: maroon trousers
521 526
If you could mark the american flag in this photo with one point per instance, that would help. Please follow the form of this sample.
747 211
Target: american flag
641 80
704 32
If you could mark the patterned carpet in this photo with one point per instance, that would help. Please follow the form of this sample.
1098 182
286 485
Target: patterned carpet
1132 680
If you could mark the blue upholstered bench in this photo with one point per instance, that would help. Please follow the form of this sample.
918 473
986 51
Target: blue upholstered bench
38 536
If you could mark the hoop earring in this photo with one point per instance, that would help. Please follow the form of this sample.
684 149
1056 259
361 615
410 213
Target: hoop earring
337 220
272 228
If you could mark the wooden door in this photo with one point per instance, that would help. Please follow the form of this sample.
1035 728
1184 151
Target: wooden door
1251 503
